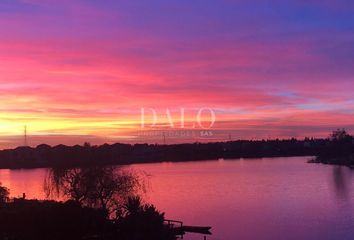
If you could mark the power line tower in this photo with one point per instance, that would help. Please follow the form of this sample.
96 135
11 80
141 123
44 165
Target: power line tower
25 141
164 138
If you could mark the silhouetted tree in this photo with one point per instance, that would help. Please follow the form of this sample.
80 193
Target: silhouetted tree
340 135
103 187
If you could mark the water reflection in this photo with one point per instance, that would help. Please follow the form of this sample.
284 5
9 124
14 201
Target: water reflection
342 181
259 199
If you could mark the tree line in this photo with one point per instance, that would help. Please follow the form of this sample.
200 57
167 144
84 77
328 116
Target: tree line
62 156
85 155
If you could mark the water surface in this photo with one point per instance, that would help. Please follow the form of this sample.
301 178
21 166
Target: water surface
280 198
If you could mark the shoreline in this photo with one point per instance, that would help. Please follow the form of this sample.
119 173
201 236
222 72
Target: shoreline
201 160
61 156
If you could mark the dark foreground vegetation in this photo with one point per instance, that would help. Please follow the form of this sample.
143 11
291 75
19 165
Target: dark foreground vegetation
73 156
99 206
339 150
50 220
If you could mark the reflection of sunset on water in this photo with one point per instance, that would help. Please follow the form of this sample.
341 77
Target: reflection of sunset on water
234 195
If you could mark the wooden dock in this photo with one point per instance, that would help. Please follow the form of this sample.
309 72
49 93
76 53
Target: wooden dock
180 229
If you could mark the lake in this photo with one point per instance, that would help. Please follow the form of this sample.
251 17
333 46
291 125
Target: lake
258 199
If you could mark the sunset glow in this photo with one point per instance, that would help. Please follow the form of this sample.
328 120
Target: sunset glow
78 71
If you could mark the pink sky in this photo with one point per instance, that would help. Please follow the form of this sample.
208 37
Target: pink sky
76 71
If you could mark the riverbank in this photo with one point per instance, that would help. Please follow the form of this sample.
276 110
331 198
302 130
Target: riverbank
339 150
341 161
61 156
102 204
22 219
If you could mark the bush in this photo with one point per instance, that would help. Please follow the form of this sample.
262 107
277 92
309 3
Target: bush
143 222
33 219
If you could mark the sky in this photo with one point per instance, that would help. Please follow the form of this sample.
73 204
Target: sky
77 71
